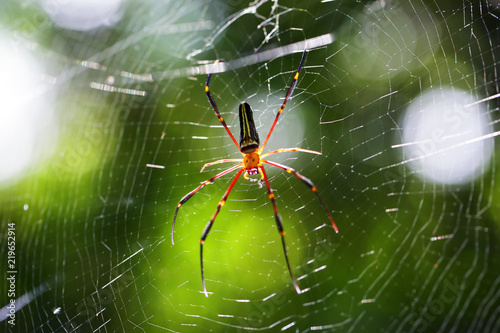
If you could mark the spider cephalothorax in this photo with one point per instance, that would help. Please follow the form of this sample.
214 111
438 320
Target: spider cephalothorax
251 161
252 164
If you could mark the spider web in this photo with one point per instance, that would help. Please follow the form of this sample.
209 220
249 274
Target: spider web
398 96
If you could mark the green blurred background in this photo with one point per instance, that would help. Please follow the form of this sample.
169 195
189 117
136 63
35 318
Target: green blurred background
106 125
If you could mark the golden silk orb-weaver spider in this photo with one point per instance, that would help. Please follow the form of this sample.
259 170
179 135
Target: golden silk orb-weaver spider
252 163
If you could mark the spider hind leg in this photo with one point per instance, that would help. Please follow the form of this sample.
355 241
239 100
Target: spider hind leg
279 225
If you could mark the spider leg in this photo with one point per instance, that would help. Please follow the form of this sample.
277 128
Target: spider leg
220 161
309 183
287 96
190 194
214 106
285 150
280 227
211 222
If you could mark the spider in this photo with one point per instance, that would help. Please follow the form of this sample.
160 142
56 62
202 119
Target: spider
252 164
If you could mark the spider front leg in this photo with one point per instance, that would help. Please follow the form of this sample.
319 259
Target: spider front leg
285 150
287 96
280 226
193 192
211 222
219 162
214 106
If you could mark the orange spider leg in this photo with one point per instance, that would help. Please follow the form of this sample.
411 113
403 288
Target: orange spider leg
190 194
220 161
211 222
287 96
279 225
309 183
214 106
285 150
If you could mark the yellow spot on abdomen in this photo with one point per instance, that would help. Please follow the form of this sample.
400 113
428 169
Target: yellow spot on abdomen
206 89
271 195
296 77
314 189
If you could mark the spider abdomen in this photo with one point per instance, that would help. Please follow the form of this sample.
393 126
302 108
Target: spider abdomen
249 138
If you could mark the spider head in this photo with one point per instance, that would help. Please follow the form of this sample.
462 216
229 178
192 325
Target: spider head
252 171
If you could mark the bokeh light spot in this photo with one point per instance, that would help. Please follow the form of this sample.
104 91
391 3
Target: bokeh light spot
442 136
83 15
27 126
